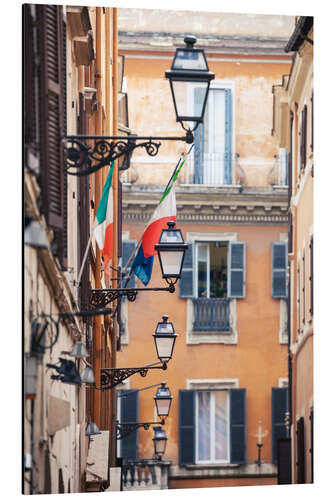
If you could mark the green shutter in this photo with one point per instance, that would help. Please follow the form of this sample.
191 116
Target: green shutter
236 270
129 413
186 427
279 270
198 140
279 409
238 426
186 278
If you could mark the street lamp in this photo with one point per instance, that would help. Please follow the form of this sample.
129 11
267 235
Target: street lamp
171 250
163 400
160 441
189 68
165 338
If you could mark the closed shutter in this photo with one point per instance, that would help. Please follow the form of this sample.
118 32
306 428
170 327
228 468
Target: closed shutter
52 80
311 444
236 270
312 115
186 278
311 276
29 79
238 426
127 249
129 413
303 137
279 409
228 138
186 427
300 450
199 145
284 461
279 270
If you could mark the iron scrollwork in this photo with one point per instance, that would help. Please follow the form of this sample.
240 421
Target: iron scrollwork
127 428
110 377
99 298
84 159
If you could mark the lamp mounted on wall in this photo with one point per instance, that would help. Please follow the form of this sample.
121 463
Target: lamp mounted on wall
189 68
160 442
170 249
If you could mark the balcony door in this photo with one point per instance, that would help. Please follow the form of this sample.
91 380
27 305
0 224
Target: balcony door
213 139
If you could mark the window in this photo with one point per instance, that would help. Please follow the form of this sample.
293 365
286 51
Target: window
212 426
311 276
279 270
127 410
303 142
303 288
213 139
213 273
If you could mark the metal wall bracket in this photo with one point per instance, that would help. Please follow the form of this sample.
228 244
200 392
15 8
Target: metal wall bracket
110 377
84 158
100 297
127 428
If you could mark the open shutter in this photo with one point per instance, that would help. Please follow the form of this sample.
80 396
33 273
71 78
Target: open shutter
186 278
238 426
127 249
198 140
236 270
228 138
52 79
300 449
279 270
129 413
279 409
303 137
186 430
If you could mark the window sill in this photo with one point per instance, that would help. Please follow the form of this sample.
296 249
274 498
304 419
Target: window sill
211 466
210 471
211 337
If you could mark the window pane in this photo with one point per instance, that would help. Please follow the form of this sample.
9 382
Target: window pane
204 425
202 271
221 425
218 269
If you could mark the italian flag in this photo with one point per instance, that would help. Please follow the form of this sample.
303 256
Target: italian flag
103 225
165 211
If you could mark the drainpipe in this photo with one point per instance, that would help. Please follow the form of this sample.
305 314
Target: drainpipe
114 333
97 347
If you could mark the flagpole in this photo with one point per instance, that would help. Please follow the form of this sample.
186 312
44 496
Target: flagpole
84 258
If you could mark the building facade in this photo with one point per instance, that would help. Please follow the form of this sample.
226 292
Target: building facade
229 372
293 126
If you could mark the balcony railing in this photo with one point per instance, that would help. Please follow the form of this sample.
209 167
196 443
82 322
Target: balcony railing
145 475
211 314
212 170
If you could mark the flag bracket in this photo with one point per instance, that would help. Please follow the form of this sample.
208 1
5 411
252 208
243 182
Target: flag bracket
100 297
85 154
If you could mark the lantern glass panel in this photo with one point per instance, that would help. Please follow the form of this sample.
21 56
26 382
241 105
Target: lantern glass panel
171 236
164 347
171 262
165 327
160 445
163 407
190 60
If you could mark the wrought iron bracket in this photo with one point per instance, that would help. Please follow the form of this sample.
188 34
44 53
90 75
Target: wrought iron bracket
127 428
82 158
110 377
100 297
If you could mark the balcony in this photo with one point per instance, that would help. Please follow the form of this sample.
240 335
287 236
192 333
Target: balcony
213 169
138 475
211 314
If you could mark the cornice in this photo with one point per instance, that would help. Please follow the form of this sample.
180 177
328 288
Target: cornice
213 205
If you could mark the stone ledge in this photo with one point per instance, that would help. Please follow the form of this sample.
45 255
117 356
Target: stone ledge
222 470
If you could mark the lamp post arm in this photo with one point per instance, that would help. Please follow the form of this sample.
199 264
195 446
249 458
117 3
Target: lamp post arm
124 429
110 377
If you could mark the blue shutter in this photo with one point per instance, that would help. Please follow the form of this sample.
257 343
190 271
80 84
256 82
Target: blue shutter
198 140
238 426
279 270
129 413
186 427
127 249
228 138
279 408
236 270
186 278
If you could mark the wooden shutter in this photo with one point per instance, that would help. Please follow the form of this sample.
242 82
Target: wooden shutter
300 450
290 165
311 276
303 137
279 409
127 249
312 116
236 270
228 138
279 270
199 144
52 80
129 413
30 97
186 427
238 426
311 444
284 461
186 278
47 473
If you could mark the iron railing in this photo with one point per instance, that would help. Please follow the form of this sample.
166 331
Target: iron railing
211 314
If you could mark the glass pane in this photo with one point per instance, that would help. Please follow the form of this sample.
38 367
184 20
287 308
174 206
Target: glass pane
218 268
164 347
171 262
190 60
221 425
202 279
180 92
204 425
